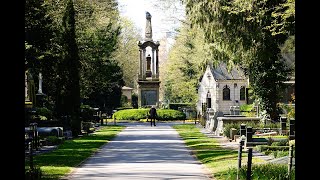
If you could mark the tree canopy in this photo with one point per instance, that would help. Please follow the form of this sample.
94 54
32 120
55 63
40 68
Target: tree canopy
249 33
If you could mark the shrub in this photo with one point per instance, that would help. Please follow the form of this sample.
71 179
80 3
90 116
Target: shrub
137 114
131 114
281 142
170 114
228 126
86 113
33 174
236 125
43 111
54 140
278 154
88 126
263 172
176 106
262 148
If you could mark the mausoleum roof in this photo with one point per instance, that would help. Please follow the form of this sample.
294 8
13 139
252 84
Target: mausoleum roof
220 72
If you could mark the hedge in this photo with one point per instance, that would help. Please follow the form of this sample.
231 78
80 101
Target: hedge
137 114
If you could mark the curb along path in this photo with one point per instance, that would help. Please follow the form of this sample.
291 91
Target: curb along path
142 152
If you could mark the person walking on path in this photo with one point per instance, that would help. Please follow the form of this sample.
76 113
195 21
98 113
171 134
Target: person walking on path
153 115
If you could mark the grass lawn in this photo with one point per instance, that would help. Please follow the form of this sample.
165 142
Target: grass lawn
72 152
207 150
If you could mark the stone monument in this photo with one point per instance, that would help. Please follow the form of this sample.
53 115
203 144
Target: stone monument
40 95
148 77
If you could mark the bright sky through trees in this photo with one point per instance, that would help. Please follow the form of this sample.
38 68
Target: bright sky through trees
136 11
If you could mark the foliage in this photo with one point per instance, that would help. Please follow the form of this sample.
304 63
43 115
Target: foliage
134 100
124 102
244 32
182 70
289 109
137 114
181 105
33 174
43 111
227 127
71 62
131 114
263 172
248 110
247 107
236 125
281 142
86 113
55 167
54 140
262 148
72 42
170 114
279 154
88 127
127 53
38 34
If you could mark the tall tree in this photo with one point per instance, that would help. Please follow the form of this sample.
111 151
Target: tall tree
239 32
38 33
183 68
98 38
127 53
72 65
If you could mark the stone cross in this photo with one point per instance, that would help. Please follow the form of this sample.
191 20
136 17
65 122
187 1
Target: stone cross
148 33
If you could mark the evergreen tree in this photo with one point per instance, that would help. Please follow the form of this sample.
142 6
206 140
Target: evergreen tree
72 65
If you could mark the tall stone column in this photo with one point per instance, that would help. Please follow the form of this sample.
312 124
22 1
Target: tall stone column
144 64
140 63
153 64
157 63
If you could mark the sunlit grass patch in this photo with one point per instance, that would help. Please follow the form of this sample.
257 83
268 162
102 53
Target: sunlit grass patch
208 151
73 152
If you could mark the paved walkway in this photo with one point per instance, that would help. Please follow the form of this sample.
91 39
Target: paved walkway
142 152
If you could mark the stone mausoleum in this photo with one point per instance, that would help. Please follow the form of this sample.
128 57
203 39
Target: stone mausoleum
220 89
148 77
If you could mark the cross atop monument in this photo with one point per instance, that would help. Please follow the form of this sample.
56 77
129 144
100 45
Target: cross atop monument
148 34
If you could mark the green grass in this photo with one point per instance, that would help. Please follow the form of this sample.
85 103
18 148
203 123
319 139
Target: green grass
208 151
71 153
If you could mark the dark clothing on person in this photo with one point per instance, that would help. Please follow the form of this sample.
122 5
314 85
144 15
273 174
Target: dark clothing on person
153 116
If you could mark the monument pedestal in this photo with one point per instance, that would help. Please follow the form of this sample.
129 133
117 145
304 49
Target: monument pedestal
148 93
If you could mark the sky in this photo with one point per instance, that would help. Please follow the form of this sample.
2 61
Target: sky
136 11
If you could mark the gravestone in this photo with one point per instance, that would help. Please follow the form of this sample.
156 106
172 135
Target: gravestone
283 124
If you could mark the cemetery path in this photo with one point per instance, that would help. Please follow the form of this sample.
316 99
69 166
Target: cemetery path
142 152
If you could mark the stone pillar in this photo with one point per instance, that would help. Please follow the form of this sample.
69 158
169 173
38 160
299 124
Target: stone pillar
143 65
157 63
140 62
153 64
148 66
